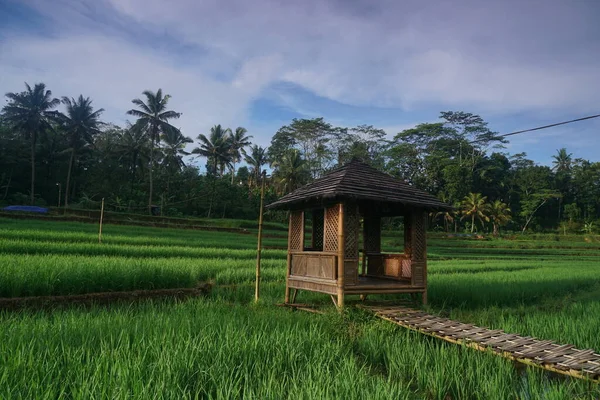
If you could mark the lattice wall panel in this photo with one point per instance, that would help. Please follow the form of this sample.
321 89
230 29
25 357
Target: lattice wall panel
352 228
419 237
408 234
296 231
330 239
318 222
372 234
418 241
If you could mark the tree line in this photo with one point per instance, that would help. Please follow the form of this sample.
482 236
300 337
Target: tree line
60 151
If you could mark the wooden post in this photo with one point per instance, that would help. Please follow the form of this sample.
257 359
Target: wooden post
424 295
101 219
259 246
363 271
289 260
341 256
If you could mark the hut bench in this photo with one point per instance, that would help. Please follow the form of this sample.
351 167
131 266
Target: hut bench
348 202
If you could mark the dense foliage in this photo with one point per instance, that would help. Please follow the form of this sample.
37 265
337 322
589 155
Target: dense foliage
49 156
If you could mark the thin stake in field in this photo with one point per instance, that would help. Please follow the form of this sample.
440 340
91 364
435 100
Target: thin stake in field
101 218
260 227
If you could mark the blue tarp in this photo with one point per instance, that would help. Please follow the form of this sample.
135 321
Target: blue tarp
35 209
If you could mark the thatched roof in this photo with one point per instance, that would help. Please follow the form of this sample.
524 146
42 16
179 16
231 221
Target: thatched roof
360 182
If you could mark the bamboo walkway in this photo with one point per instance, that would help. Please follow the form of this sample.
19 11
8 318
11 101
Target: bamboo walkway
562 359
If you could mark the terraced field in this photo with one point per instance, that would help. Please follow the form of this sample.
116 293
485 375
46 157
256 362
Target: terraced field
224 346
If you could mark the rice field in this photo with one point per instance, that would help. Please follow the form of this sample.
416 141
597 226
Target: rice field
225 346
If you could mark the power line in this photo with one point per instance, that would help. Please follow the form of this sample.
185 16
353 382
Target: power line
539 128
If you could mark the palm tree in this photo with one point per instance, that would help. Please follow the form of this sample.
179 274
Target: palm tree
215 148
153 117
238 140
30 114
292 172
133 146
173 151
475 206
499 214
456 214
447 215
256 159
562 160
80 123
562 166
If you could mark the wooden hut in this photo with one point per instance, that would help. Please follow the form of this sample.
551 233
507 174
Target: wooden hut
347 201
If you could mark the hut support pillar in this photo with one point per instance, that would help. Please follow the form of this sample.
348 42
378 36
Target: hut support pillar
289 262
341 256
295 243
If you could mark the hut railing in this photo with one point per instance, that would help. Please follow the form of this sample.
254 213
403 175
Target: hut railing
386 265
313 264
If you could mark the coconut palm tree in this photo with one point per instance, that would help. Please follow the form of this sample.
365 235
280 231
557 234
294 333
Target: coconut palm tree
29 113
256 159
238 140
133 149
174 150
216 148
562 166
292 172
562 160
474 205
173 153
80 123
499 214
448 216
153 117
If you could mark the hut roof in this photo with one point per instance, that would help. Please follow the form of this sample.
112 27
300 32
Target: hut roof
359 181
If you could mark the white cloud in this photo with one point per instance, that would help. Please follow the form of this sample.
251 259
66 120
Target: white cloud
215 57
497 57
113 72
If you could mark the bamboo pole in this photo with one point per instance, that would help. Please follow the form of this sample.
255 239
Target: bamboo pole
259 246
364 252
424 295
341 256
101 219
289 260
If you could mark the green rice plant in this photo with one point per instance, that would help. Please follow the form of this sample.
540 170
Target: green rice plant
37 275
228 347
210 349
94 249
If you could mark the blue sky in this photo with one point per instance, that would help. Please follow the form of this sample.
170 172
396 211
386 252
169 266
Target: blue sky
258 64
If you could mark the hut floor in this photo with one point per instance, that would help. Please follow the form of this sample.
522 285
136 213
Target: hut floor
374 285
564 359
364 285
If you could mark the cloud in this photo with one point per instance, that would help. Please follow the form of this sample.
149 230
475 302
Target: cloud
113 72
498 57
217 57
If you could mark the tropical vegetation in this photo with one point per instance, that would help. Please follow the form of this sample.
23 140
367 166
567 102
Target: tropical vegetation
151 165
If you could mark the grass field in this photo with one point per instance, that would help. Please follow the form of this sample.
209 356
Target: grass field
224 346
